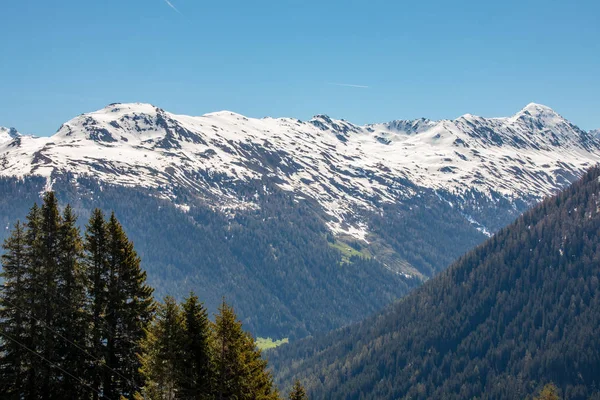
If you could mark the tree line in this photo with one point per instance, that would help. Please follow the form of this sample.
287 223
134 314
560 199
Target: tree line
79 321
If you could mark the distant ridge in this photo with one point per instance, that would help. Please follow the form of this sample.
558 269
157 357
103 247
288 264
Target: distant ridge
344 167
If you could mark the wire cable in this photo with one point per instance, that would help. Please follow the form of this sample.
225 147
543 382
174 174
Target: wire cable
52 364
102 363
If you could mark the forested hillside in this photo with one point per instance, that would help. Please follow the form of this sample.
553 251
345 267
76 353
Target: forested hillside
278 265
517 312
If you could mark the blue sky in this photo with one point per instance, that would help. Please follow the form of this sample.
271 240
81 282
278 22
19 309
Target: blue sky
436 59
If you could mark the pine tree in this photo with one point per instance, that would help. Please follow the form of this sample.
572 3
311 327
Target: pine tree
13 301
33 302
241 371
130 308
96 271
71 318
198 370
48 304
549 392
163 353
297 392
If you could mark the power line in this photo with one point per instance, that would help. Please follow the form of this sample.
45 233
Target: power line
70 342
100 362
52 364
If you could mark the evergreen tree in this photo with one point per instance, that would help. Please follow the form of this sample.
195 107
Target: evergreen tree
198 370
71 318
13 301
47 308
33 302
163 353
96 267
549 392
42 306
297 392
130 307
241 372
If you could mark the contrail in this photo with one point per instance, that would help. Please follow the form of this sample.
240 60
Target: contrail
347 84
172 6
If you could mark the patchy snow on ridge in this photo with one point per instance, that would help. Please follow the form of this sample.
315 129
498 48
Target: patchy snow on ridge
342 166
8 134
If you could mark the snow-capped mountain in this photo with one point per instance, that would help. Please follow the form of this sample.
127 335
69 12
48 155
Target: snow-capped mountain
344 167
8 134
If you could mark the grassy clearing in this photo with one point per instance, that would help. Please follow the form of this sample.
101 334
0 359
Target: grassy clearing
348 251
268 343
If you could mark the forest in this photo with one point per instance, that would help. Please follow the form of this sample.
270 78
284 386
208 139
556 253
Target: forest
79 321
513 315
274 263
279 264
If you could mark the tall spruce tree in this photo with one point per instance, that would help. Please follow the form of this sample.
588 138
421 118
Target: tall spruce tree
241 372
48 305
163 353
96 271
71 319
198 368
120 305
35 295
130 307
297 392
13 317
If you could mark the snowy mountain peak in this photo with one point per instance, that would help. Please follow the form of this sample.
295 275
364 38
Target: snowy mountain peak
341 166
535 109
8 134
540 113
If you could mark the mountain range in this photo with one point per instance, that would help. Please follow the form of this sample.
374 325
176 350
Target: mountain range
314 224
344 167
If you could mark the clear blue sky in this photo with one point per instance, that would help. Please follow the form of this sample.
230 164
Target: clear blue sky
437 59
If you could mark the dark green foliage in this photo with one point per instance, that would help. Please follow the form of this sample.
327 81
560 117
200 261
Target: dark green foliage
241 372
96 248
426 232
43 325
122 306
13 318
47 246
130 307
517 312
297 392
71 316
198 361
162 360
187 358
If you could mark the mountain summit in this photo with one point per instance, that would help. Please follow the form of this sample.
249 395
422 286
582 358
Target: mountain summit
349 171
8 134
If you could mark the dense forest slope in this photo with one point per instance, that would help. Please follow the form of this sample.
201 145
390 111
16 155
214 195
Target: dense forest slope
275 264
517 312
